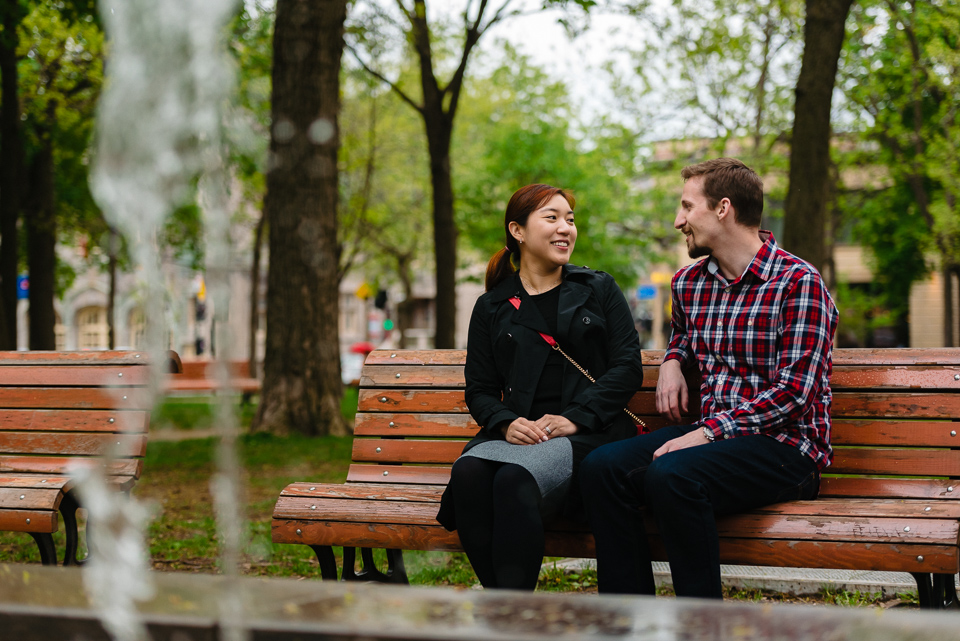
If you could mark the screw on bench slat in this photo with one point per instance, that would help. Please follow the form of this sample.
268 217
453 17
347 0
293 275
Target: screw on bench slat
398 375
378 450
44 481
906 529
28 521
953 432
299 531
392 424
950 489
110 421
22 496
313 488
313 507
383 399
120 375
386 473
926 509
956 377
393 355
920 559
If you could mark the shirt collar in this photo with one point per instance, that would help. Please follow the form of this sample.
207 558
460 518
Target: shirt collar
762 264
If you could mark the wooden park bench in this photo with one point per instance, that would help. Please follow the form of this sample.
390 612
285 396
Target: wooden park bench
890 501
200 377
60 410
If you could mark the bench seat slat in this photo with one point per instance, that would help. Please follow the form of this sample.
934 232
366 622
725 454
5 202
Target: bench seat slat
397 375
40 521
399 474
872 357
905 462
73 421
845 404
918 462
394 451
73 443
63 465
854 487
429 425
37 481
895 433
750 525
33 499
74 398
86 376
812 554
371 491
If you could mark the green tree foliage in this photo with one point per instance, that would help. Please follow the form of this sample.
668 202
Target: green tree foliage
899 70
517 129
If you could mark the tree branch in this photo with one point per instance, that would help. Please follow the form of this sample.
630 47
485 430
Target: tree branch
379 76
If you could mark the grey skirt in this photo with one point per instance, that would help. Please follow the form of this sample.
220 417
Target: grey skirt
550 464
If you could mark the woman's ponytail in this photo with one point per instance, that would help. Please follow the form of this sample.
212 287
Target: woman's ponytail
499 268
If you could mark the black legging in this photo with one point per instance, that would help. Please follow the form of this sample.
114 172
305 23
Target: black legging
498 521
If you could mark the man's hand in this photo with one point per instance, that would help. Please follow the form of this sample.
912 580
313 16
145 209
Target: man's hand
690 439
555 426
671 391
524 432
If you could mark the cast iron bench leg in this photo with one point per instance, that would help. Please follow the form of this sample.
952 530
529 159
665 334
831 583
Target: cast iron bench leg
945 592
48 553
396 572
328 564
68 510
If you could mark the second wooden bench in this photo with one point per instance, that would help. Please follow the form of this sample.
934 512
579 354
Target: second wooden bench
888 502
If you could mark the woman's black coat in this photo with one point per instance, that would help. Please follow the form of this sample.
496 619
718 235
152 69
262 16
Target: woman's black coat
506 355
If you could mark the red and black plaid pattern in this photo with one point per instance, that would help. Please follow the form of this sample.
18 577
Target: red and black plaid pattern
763 345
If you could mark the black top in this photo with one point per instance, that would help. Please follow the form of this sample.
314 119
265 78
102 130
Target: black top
546 400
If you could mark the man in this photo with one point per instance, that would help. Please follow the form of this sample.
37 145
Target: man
759 324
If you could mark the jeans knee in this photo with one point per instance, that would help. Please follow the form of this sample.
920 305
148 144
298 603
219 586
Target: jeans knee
666 482
596 468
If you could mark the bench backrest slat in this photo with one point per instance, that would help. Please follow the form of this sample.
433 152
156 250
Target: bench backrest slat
896 414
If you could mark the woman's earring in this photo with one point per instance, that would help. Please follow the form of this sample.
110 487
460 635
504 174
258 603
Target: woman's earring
521 241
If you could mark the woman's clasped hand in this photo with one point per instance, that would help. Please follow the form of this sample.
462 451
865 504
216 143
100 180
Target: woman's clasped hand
525 432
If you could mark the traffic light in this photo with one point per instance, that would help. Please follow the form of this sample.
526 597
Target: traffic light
387 324
380 302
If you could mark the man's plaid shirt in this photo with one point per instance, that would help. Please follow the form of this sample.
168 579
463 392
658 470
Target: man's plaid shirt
763 345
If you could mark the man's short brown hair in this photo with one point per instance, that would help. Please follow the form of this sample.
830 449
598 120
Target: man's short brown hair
730 178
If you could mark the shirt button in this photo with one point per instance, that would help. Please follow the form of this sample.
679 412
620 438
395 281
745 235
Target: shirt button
726 289
719 323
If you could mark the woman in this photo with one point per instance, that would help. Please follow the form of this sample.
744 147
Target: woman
539 415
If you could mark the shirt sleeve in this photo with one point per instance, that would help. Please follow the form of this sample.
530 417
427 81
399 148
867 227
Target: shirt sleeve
484 386
679 347
807 319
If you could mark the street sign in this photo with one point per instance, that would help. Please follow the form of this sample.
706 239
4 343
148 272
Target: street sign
364 291
646 292
23 287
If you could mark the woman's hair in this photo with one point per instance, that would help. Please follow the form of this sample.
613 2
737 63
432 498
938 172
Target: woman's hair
525 201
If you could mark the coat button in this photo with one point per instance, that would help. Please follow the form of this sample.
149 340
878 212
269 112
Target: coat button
509 390
586 320
509 337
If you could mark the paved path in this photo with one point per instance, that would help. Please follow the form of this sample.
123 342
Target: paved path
796 581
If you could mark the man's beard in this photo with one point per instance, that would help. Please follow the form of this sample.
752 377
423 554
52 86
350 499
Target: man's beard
698 251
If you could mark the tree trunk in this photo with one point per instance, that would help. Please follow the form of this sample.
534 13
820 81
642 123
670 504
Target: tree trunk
301 384
11 168
41 246
946 274
112 294
805 208
444 231
255 295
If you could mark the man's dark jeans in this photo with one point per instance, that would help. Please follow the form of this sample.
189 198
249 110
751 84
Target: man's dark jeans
685 490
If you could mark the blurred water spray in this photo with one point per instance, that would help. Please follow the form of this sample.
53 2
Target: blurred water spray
159 129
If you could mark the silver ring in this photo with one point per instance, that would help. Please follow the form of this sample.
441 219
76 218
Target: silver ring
547 430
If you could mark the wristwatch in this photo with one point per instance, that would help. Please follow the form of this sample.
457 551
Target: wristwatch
708 434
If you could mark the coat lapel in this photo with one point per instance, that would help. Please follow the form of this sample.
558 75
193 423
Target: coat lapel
572 296
528 314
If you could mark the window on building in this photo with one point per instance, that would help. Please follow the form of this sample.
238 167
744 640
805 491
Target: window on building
59 335
137 322
92 328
